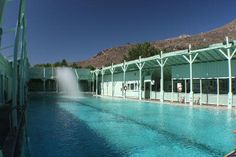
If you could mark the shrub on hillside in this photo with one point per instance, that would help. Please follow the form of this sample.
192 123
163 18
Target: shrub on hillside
143 50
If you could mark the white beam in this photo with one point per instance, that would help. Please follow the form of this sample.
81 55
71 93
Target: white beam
222 52
186 59
233 53
195 57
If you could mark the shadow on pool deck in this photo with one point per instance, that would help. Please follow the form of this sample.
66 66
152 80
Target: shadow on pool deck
55 132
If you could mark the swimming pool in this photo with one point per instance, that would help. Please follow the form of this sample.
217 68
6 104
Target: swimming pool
100 127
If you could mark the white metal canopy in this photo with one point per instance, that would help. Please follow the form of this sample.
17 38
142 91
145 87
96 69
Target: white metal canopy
210 54
216 52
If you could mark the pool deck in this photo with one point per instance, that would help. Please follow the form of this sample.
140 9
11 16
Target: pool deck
207 106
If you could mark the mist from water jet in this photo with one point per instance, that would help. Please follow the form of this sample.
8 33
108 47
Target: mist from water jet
68 82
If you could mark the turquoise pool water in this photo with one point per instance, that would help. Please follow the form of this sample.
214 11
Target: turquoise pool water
114 127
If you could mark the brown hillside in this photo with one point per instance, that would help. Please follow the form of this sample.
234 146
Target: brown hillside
115 55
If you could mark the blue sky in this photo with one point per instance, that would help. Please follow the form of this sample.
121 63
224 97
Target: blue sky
78 29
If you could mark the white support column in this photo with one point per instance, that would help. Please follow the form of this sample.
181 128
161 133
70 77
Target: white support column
96 73
162 63
144 84
200 91
151 90
185 91
172 90
191 81
112 84
102 72
190 60
124 68
112 69
140 65
92 82
230 95
218 90
229 56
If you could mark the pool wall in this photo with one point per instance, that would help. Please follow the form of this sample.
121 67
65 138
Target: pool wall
43 79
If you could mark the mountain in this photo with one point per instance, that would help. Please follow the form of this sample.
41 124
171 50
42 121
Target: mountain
116 55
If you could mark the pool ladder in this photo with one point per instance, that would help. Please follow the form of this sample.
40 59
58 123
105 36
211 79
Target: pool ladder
231 154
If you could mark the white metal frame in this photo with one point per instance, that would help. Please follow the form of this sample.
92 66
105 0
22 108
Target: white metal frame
190 56
161 61
229 56
124 68
140 66
190 60
112 70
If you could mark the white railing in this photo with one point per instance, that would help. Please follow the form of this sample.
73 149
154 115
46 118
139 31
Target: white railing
210 99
